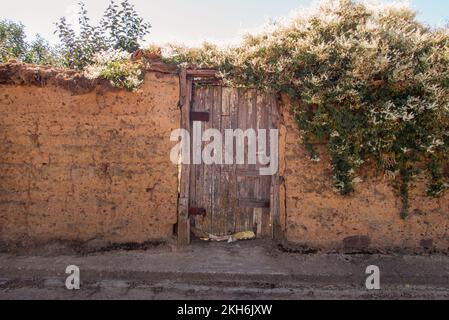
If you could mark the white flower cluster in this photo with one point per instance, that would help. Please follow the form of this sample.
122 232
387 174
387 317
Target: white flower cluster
434 144
117 67
406 112
104 58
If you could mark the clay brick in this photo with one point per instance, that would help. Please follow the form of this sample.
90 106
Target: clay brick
90 180
11 153
57 125
14 178
13 218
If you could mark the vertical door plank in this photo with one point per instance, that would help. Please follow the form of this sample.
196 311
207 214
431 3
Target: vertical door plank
263 111
233 210
226 97
241 222
206 222
199 169
225 192
246 185
183 229
193 178
218 218
258 213
252 182
258 222
227 207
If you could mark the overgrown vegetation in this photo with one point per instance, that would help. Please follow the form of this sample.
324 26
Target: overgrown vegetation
372 83
101 50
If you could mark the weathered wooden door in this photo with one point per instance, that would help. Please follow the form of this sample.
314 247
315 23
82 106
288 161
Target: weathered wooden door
224 199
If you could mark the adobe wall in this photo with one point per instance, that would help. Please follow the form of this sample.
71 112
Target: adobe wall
80 161
315 216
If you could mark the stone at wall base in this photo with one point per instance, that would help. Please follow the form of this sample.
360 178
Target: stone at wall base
357 242
426 244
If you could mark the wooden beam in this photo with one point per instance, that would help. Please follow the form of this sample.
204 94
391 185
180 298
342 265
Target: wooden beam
184 188
182 87
162 68
183 222
202 73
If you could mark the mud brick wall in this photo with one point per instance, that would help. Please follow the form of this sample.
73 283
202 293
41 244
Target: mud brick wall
79 161
90 166
315 216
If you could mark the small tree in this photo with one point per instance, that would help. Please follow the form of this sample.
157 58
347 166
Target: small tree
120 28
12 40
40 52
78 50
124 26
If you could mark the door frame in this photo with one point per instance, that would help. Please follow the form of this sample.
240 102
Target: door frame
187 79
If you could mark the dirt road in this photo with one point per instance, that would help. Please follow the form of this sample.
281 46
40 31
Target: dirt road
246 270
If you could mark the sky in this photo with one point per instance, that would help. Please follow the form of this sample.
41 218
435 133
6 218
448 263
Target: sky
186 21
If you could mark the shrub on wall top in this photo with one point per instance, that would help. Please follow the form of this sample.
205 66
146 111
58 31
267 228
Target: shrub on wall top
117 67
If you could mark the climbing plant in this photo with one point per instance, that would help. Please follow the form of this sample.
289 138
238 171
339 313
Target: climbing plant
371 82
